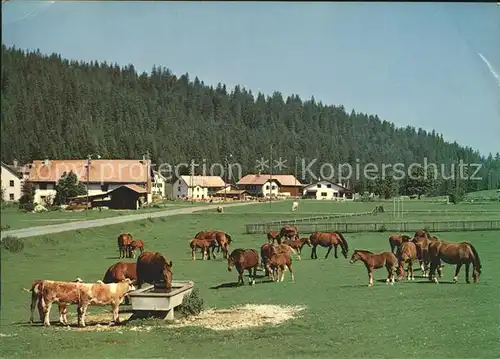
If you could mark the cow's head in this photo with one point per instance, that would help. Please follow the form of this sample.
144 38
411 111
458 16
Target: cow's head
131 286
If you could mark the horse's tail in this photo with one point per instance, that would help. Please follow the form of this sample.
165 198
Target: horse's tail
477 260
344 242
229 239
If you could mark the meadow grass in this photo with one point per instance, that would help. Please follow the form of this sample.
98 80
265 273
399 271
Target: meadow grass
343 317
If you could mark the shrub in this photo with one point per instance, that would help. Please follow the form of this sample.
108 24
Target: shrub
13 244
382 228
28 207
5 227
192 304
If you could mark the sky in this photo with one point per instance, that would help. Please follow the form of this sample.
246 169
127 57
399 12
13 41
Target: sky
429 65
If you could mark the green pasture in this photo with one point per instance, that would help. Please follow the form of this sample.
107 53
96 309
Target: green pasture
486 194
343 317
13 218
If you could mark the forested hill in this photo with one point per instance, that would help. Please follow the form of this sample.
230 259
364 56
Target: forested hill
55 108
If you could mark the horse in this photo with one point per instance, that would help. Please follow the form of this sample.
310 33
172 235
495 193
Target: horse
124 241
397 239
244 259
407 253
118 272
204 245
154 267
136 244
374 261
454 253
329 240
297 244
272 236
277 263
288 232
421 239
223 240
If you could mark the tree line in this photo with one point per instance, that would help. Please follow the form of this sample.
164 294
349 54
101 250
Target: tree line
60 109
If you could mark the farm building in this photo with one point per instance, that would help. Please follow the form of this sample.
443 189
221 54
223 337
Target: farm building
197 187
123 197
11 183
271 185
326 190
236 194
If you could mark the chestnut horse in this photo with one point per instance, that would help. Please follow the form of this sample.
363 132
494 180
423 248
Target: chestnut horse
118 272
297 244
374 261
272 236
268 249
204 244
153 267
136 244
223 241
288 232
421 240
454 253
276 265
124 241
244 259
397 239
328 240
407 253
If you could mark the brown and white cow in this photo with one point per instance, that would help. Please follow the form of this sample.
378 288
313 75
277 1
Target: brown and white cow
83 295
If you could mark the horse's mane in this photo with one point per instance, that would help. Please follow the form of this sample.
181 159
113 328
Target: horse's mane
363 251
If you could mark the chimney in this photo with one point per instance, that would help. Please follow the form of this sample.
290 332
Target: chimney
14 163
46 162
258 174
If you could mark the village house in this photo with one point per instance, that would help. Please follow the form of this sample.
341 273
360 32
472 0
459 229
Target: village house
159 184
271 185
327 190
197 187
101 176
11 183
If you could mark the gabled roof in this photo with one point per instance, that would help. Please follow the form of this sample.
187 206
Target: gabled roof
204 181
334 185
10 169
260 179
101 171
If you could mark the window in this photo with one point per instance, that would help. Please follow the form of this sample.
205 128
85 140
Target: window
11 196
319 186
267 187
43 185
179 188
273 187
323 194
328 186
105 187
11 183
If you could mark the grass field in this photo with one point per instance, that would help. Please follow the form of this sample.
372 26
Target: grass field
13 218
490 193
343 317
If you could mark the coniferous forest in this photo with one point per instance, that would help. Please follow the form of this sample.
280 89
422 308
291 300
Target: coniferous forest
59 109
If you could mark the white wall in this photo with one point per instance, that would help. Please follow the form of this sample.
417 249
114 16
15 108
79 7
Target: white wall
11 193
270 188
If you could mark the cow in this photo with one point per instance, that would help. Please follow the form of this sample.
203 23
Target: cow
83 295
153 267
36 301
295 206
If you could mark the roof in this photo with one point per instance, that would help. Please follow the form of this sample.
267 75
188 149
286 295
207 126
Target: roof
11 169
232 192
101 171
334 185
132 187
256 179
204 181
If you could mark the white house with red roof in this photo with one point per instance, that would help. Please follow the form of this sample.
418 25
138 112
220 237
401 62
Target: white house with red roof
271 185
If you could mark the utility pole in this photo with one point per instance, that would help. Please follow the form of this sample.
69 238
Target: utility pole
227 177
148 176
192 179
89 161
271 178
296 174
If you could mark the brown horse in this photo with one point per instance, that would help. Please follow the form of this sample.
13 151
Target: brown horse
223 241
124 241
136 244
422 240
272 236
374 261
297 244
204 245
328 240
244 259
153 267
397 239
268 249
289 232
276 265
407 253
454 253
118 272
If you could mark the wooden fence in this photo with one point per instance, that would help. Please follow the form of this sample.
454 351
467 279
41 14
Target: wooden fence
320 218
392 226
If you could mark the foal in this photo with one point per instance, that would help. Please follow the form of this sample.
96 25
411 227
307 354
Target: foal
376 261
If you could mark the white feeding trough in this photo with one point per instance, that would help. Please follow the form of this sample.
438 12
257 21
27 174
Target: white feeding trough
156 301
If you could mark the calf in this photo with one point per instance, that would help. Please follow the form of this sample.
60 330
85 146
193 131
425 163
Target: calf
277 263
36 301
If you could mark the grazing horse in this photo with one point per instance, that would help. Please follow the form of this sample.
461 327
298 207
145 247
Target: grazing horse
276 265
124 241
454 253
154 267
374 261
421 240
223 241
118 272
204 244
244 259
289 232
297 244
407 253
136 244
397 239
272 236
328 240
